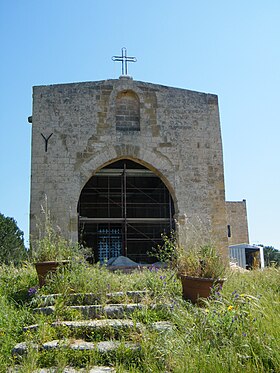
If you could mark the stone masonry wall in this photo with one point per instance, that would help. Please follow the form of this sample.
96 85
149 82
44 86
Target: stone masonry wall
127 112
237 221
178 139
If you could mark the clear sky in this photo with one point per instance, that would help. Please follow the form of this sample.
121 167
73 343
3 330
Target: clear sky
230 48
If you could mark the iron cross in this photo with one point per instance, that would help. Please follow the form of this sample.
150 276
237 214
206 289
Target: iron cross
124 60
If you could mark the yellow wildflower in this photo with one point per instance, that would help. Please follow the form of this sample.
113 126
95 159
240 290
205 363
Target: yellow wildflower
230 308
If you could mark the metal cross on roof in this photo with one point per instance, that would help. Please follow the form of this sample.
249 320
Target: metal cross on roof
124 60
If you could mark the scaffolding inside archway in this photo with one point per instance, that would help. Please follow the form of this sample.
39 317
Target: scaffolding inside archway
123 210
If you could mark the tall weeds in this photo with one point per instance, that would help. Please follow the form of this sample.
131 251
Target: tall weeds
236 330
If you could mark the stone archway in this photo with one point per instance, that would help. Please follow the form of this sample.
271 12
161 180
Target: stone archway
123 210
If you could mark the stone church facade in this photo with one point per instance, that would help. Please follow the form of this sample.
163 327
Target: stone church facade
122 161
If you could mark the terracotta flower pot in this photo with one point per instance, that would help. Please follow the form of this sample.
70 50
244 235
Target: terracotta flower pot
198 287
44 268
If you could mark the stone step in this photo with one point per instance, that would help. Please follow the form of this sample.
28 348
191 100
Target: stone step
111 328
91 298
111 311
95 369
87 327
76 344
135 295
97 311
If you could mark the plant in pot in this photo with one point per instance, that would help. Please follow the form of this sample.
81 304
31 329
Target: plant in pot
200 268
51 251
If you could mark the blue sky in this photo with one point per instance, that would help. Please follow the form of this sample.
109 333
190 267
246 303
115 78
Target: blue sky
230 48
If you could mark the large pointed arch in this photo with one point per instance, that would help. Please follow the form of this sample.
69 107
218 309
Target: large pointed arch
123 210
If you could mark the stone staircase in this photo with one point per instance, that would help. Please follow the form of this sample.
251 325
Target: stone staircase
108 333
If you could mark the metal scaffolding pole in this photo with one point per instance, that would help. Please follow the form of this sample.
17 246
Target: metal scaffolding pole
125 211
170 212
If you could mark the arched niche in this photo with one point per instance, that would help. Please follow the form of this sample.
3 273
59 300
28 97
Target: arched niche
123 210
127 111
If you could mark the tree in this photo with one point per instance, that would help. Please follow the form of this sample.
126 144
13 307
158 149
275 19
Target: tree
271 256
11 241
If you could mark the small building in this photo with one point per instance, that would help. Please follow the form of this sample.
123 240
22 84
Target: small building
247 256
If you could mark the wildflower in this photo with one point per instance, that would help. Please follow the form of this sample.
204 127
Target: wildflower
230 308
32 291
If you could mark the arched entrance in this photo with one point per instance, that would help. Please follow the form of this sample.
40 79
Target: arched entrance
123 210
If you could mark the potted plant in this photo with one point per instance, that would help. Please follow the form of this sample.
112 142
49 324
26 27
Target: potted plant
51 250
200 268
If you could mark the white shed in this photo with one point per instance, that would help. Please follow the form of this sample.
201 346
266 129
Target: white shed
247 256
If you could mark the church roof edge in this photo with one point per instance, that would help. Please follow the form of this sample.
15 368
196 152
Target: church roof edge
132 82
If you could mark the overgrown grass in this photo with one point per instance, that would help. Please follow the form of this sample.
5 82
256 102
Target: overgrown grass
80 277
237 330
